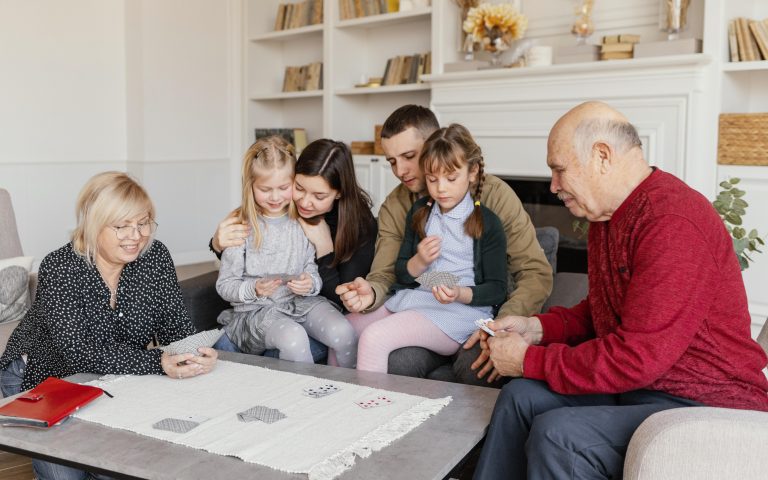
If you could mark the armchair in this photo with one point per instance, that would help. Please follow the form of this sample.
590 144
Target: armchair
10 246
700 442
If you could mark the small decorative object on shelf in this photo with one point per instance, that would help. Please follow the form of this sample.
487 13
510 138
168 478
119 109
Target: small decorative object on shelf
583 26
495 27
467 40
673 17
617 47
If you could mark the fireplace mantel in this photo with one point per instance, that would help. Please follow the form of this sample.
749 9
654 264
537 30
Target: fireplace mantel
510 111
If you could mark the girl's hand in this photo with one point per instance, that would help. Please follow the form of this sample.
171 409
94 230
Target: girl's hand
319 235
230 233
302 286
426 252
265 288
445 294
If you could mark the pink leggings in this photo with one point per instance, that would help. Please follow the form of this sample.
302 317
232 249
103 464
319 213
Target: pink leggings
382 332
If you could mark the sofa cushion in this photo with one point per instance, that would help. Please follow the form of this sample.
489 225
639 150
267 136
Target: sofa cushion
14 288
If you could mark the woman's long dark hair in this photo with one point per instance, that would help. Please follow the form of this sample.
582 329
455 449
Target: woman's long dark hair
333 162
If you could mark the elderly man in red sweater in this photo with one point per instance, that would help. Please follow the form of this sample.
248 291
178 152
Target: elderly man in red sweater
665 323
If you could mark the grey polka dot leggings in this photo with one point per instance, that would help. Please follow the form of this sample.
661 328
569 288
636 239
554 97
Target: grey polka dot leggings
325 324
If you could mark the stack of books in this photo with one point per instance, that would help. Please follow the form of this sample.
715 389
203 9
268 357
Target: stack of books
295 15
748 39
303 78
349 9
407 69
616 47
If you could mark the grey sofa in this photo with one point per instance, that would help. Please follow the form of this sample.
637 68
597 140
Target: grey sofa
10 246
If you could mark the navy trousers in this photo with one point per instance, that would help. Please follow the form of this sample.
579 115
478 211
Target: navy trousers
536 433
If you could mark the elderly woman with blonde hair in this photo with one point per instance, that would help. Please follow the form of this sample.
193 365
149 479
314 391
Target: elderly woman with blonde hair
102 300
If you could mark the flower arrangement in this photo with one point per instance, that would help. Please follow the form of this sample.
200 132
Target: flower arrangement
495 26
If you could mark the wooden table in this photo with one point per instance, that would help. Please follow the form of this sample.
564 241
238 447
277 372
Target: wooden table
430 451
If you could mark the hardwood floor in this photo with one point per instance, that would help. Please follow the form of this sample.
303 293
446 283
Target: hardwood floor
15 467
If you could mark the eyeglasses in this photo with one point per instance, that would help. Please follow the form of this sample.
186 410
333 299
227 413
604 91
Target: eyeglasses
145 229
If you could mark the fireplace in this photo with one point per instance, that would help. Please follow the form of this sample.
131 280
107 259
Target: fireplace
545 209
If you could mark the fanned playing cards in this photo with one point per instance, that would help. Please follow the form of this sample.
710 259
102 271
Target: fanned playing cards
435 279
191 343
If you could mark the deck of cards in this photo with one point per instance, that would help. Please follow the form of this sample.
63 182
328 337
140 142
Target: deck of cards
435 279
191 343
482 324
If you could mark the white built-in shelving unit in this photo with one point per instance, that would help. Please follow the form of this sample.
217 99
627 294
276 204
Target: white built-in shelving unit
674 100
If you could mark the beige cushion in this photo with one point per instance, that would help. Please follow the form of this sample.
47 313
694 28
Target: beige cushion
14 288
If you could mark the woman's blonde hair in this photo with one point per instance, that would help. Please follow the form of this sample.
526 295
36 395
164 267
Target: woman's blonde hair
264 156
106 199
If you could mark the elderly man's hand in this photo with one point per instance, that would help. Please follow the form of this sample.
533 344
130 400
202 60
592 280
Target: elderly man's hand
507 352
528 327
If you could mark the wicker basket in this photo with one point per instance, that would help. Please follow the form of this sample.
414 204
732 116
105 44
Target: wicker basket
743 139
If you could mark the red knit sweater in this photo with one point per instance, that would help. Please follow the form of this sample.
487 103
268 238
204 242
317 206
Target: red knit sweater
666 308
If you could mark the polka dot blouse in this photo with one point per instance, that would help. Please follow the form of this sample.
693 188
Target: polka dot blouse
71 327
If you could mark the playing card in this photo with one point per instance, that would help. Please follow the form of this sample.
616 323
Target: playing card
321 390
191 343
262 413
482 324
434 279
379 401
285 277
178 425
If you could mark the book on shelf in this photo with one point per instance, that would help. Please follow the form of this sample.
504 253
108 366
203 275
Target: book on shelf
760 33
295 136
404 69
615 55
48 403
349 9
303 78
747 39
295 15
377 150
617 47
622 38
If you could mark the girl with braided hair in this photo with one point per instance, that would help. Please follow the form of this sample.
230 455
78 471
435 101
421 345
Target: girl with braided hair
447 232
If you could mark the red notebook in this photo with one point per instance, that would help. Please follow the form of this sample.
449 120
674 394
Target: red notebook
48 403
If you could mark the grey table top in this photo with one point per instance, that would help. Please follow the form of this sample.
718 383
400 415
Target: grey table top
429 451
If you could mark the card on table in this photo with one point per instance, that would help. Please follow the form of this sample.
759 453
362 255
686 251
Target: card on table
261 413
321 390
191 343
374 402
434 279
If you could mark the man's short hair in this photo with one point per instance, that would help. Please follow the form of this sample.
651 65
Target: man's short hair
620 135
407 116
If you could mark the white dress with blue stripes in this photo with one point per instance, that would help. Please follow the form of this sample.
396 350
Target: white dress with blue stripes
457 257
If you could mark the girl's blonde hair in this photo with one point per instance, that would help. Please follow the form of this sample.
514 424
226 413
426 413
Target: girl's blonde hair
448 149
107 199
263 157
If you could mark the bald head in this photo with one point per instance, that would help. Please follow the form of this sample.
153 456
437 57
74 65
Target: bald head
596 160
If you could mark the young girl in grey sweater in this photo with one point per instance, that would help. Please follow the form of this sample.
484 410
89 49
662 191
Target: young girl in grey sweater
272 280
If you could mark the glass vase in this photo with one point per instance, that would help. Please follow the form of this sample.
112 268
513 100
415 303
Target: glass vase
673 17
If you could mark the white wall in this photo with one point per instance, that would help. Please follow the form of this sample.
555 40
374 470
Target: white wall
92 85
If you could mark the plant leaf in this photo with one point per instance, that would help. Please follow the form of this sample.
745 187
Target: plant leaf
732 218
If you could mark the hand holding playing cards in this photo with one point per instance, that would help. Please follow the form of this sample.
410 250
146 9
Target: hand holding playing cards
301 285
527 328
445 294
426 252
265 288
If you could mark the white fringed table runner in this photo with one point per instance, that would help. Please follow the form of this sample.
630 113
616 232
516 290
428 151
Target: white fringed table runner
318 436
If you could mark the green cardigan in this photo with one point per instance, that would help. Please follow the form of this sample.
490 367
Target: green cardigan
490 259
